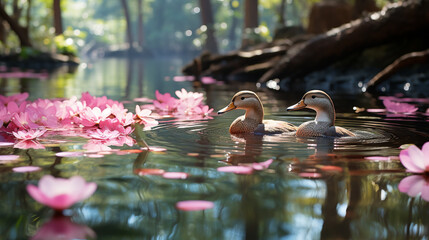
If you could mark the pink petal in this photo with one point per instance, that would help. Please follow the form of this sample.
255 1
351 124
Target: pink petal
416 156
60 202
26 169
407 183
87 191
175 175
376 110
236 169
6 144
194 205
310 175
408 162
425 151
8 157
378 158
425 192
36 194
69 154
262 165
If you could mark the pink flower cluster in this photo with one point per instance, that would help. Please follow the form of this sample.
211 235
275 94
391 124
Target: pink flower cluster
100 117
188 105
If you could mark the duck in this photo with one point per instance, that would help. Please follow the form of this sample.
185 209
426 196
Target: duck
253 120
324 123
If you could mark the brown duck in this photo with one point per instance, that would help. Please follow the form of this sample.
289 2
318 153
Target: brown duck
253 120
324 123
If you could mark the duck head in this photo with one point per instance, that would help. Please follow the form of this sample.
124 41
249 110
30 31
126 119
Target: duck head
320 102
246 100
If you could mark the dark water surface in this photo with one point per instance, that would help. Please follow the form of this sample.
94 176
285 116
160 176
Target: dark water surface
318 188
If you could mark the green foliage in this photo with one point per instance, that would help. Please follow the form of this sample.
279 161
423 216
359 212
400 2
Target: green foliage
27 52
65 45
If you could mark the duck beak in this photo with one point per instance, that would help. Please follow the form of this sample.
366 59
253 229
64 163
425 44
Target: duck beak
298 106
228 108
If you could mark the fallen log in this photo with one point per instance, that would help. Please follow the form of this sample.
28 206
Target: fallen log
223 65
402 62
395 20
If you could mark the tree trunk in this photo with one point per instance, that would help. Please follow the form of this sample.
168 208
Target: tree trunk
128 22
282 11
140 24
251 21
58 21
21 31
233 25
395 21
207 20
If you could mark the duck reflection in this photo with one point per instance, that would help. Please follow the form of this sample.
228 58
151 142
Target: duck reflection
252 148
62 227
323 165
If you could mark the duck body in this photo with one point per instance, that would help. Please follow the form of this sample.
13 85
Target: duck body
324 123
321 129
253 120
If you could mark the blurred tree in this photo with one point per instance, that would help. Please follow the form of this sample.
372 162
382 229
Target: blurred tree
13 19
282 12
140 23
251 23
58 20
207 21
128 21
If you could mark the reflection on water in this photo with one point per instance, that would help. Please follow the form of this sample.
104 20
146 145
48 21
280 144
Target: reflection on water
315 188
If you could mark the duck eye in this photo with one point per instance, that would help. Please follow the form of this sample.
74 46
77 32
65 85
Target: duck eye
242 98
313 96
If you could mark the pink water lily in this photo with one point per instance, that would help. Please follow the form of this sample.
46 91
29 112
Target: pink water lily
144 117
415 185
414 159
29 134
60 193
93 116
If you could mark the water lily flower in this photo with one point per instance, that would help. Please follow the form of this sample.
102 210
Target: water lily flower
60 193
165 102
23 121
399 107
100 102
203 110
194 96
143 116
414 159
29 134
414 185
92 116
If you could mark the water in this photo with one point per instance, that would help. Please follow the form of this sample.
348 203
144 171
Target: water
315 188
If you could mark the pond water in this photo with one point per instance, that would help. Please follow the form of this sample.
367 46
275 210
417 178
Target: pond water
315 188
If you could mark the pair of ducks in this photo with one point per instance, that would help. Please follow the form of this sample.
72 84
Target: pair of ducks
253 120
